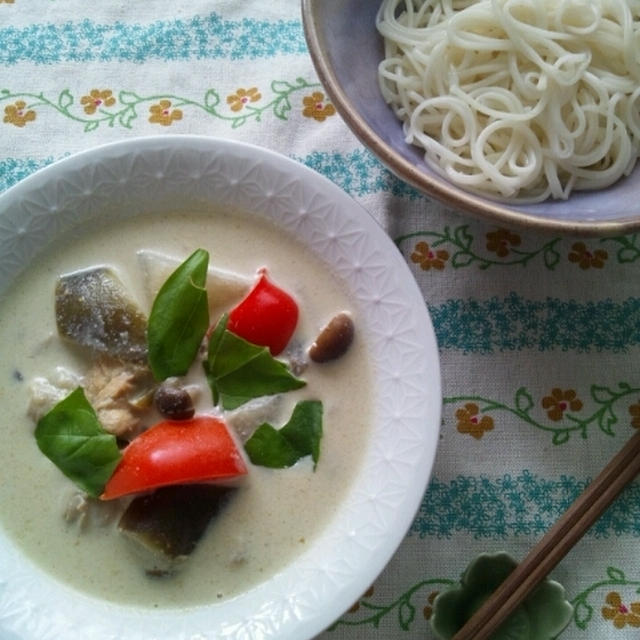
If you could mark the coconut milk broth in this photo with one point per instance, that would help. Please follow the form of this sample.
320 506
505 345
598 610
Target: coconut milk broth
270 521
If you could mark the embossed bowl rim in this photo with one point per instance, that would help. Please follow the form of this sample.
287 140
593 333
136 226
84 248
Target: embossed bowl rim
161 173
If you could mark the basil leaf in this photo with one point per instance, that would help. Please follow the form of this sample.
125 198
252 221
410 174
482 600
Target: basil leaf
179 318
304 429
267 447
73 439
214 345
238 371
300 437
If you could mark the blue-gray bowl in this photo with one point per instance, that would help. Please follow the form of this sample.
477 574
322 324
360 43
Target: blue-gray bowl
346 49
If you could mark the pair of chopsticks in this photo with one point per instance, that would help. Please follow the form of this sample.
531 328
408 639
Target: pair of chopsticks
556 543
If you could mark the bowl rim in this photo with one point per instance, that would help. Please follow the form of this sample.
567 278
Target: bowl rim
447 193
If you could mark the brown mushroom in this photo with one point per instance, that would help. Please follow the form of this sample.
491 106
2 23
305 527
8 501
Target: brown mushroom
173 402
334 340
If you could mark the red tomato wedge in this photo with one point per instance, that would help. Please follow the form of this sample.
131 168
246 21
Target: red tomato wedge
267 316
176 452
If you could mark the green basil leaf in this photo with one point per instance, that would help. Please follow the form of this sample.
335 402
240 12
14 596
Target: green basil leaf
73 439
179 318
267 447
238 371
300 437
214 344
304 429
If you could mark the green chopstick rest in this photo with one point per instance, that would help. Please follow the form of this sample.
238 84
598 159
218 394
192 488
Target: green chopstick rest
544 613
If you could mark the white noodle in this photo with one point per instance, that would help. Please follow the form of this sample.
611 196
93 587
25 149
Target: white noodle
517 99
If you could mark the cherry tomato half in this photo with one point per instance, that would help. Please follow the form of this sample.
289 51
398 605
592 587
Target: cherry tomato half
267 316
176 452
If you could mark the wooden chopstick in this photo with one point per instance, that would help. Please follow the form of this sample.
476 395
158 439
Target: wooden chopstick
556 543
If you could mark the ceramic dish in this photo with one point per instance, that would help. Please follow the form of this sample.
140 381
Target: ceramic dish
346 49
544 613
165 174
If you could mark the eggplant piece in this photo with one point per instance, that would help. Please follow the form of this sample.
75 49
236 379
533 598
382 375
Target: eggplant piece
170 521
94 309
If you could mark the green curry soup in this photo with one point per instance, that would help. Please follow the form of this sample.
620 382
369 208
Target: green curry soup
274 514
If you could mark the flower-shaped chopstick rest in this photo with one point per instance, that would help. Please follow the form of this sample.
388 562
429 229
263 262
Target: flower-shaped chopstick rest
542 616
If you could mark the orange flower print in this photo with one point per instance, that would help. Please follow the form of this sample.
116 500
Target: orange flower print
559 401
468 421
17 114
163 114
367 594
315 107
97 98
241 97
427 612
619 613
501 240
585 258
634 410
427 258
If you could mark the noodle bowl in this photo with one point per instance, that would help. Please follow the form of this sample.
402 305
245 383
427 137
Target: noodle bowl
519 100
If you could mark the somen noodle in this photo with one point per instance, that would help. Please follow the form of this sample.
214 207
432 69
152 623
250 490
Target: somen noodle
517 99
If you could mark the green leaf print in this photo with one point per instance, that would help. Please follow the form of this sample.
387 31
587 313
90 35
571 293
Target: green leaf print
524 401
128 97
463 237
126 117
616 574
211 99
627 255
281 86
551 257
582 614
606 420
65 99
560 437
600 394
282 108
462 259
406 614
628 251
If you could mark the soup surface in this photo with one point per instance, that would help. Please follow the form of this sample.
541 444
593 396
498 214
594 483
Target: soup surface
275 515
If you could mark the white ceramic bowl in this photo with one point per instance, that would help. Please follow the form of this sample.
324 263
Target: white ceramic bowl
346 49
155 175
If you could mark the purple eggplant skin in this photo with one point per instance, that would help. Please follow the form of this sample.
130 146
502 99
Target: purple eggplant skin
94 309
171 520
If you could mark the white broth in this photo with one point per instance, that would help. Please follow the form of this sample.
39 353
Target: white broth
271 519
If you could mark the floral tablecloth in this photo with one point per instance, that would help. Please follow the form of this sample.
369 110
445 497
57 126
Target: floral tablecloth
539 335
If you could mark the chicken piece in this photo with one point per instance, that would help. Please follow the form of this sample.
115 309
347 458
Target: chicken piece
247 418
113 388
85 512
120 421
45 393
298 361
